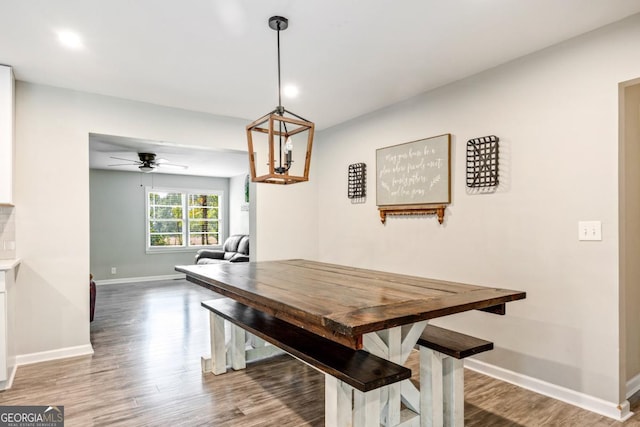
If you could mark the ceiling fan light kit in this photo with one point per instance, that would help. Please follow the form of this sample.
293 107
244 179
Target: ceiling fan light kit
275 131
148 162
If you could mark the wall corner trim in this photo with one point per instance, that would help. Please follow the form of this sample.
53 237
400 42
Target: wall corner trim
616 411
6 385
61 353
633 386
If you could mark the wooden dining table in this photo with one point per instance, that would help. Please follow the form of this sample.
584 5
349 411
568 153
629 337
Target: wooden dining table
383 313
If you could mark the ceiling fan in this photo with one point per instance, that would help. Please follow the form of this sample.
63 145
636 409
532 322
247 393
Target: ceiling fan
148 162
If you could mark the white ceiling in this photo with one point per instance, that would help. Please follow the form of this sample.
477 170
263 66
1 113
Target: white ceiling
201 162
348 57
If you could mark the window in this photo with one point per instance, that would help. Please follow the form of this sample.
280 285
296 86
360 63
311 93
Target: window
183 219
203 219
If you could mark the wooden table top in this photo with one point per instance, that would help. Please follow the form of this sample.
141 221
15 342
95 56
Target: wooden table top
339 302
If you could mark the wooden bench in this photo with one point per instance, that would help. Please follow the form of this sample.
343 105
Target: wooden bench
442 374
347 372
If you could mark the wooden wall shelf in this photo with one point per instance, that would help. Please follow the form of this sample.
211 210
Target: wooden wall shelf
412 210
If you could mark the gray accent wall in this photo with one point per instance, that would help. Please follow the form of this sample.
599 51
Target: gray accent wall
117 216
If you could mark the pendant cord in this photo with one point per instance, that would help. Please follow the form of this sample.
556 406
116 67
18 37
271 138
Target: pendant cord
280 164
279 102
279 90
281 169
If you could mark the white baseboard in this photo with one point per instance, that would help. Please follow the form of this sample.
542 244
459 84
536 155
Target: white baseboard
61 353
633 386
619 412
139 279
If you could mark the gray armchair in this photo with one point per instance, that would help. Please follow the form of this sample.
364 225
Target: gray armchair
235 249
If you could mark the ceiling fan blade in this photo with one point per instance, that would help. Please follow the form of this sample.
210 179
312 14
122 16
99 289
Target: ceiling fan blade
126 160
124 164
172 165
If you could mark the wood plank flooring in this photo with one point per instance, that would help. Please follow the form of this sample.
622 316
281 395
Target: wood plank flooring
148 339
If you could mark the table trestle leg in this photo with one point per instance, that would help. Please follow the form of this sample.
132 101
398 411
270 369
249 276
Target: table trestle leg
396 344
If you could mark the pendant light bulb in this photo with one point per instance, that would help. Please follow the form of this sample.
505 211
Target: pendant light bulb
288 145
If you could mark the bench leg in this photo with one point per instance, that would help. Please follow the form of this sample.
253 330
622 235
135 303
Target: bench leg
341 410
218 353
431 404
366 408
337 402
453 392
394 341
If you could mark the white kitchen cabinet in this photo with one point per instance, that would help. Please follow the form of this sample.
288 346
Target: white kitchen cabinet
7 130
8 271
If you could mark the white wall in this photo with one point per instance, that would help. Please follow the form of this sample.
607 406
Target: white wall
52 199
287 220
556 113
238 207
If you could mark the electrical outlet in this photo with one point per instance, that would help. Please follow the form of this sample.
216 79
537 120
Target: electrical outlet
113 270
589 230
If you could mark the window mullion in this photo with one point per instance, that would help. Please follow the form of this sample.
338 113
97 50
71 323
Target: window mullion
185 219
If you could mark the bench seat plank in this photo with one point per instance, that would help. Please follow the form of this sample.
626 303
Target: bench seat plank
451 343
361 370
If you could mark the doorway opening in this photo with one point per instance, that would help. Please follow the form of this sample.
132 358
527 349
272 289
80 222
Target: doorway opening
629 236
126 243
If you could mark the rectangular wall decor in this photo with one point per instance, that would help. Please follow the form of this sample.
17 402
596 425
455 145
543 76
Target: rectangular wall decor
482 162
357 185
414 173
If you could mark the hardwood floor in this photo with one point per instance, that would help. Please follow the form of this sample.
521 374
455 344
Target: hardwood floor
148 339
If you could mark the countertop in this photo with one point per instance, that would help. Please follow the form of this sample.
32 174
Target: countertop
8 264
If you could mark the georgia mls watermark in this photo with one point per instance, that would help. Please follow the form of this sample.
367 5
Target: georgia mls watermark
31 416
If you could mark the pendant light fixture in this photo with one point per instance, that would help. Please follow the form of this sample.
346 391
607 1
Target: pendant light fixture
271 138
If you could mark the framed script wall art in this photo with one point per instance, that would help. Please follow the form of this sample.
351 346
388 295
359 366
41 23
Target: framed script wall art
414 178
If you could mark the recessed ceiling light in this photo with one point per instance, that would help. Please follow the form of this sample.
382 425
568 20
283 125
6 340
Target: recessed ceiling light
70 39
290 91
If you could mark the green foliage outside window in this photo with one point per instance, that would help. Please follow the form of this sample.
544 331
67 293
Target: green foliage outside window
203 219
166 219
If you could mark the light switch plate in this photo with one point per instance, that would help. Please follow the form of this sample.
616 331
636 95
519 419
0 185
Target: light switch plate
589 230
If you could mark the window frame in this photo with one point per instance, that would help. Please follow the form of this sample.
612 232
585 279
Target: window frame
186 246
